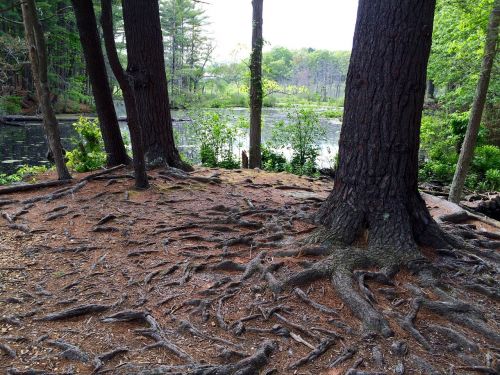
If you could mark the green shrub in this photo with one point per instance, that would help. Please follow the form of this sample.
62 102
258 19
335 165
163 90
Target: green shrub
333 113
89 153
10 105
441 139
273 161
492 179
217 136
302 133
23 173
486 157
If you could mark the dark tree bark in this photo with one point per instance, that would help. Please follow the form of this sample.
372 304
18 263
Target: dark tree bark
376 181
256 85
96 68
38 57
146 66
430 89
467 151
141 178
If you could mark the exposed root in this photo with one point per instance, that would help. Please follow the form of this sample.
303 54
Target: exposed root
407 323
346 354
75 311
154 331
101 358
316 305
8 350
246 366
186 326
69 351
319 350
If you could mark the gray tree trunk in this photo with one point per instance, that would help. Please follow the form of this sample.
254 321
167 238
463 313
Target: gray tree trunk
38 59
467 151
256 85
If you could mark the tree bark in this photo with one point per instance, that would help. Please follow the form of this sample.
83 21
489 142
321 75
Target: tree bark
96 69
430 89
38 57
146 66
376 181
467 151
256 85
141 178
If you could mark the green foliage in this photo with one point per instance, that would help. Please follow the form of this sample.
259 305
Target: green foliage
302 134
10 104
441 139
485 158
290 77
492 179
89 153
217 137
272 160
457 51
336 113
25 173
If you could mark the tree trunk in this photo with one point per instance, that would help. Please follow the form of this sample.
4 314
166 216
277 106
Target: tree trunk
376 181
256 85
141 177
430 89
146 66
96 69
38 58
470 139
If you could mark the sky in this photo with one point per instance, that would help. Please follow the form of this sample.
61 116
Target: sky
295 24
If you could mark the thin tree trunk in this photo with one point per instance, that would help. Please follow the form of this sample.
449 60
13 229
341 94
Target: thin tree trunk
376 181
467 151
96 68
146 65
141 178
429 92
38 58
256 85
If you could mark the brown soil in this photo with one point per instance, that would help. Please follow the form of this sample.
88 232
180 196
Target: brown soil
57 257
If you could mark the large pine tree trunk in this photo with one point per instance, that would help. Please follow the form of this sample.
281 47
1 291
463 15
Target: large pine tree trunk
146 66
96 68
38 57
256 85
376 181
141 178
467 151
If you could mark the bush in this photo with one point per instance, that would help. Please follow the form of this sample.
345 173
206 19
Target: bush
441 139
492 179
302 133
217 137
273 161
10 105
89 154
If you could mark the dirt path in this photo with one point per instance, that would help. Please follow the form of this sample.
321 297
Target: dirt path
178 279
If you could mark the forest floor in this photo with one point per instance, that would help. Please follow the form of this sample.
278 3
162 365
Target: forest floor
175 279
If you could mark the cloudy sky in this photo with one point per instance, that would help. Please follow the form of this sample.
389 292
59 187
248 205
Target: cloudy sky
327 24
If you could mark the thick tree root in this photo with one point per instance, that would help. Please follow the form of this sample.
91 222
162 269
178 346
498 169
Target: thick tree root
69 351
75 311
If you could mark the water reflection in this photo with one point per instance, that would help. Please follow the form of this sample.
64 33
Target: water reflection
26 144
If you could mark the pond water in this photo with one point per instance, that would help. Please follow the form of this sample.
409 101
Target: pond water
26 143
